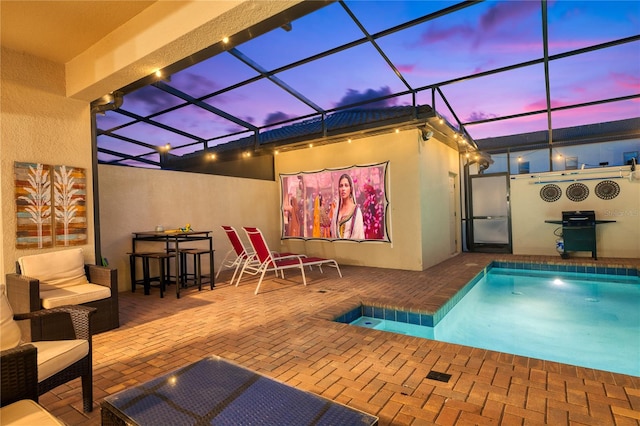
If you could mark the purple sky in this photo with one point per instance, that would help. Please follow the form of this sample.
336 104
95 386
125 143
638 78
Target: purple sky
476 39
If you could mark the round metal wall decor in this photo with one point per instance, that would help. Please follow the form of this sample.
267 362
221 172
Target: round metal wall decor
607 190
550 193
577 192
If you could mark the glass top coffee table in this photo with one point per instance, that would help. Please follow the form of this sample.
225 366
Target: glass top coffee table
214 391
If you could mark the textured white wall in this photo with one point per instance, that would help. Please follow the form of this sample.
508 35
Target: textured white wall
417 240
39 124
529 211
438 163
133 200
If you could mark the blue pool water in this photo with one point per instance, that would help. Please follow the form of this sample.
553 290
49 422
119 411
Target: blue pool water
589 320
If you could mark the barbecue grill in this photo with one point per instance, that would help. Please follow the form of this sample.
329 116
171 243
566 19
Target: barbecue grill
579 231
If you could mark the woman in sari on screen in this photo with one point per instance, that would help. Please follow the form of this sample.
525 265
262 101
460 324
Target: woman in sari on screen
347 222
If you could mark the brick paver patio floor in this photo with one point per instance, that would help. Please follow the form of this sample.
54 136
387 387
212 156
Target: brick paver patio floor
285 333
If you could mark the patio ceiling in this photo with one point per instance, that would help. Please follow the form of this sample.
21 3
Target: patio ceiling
491 69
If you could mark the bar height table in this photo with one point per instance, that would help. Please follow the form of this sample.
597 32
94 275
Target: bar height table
172 241
214 391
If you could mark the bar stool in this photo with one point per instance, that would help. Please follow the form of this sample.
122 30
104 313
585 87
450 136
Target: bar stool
196 276
163 259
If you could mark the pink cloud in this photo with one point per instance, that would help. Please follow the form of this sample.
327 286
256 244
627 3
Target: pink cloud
626 81
406 68
541 104
491 28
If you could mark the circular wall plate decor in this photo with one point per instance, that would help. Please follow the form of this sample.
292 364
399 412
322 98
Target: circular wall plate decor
550 193
577 192
607 189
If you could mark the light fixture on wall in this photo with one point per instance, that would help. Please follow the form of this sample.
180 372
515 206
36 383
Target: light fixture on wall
426 134
108 102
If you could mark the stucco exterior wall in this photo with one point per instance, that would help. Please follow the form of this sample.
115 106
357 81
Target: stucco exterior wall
531 235
38 124
134 200
439 201
417 192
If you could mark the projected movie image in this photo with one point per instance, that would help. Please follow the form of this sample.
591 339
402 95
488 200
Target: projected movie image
336 204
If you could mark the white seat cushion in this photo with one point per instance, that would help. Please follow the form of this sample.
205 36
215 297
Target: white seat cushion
27 413
9 331
56 269
56 355
75 295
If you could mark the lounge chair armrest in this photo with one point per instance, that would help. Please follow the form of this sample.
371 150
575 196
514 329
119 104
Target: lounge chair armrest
102 275
80 317
19 372
23 293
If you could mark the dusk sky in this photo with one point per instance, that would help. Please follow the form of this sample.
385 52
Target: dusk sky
476 39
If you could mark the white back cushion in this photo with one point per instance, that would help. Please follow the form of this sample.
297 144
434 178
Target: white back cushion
56 269
9 331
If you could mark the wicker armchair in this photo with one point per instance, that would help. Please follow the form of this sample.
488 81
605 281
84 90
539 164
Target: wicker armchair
20 365
25 296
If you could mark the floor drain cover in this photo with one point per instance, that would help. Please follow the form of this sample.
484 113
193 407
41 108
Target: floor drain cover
436 375
322 291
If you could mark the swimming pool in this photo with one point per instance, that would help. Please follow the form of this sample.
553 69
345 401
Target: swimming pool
585 319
